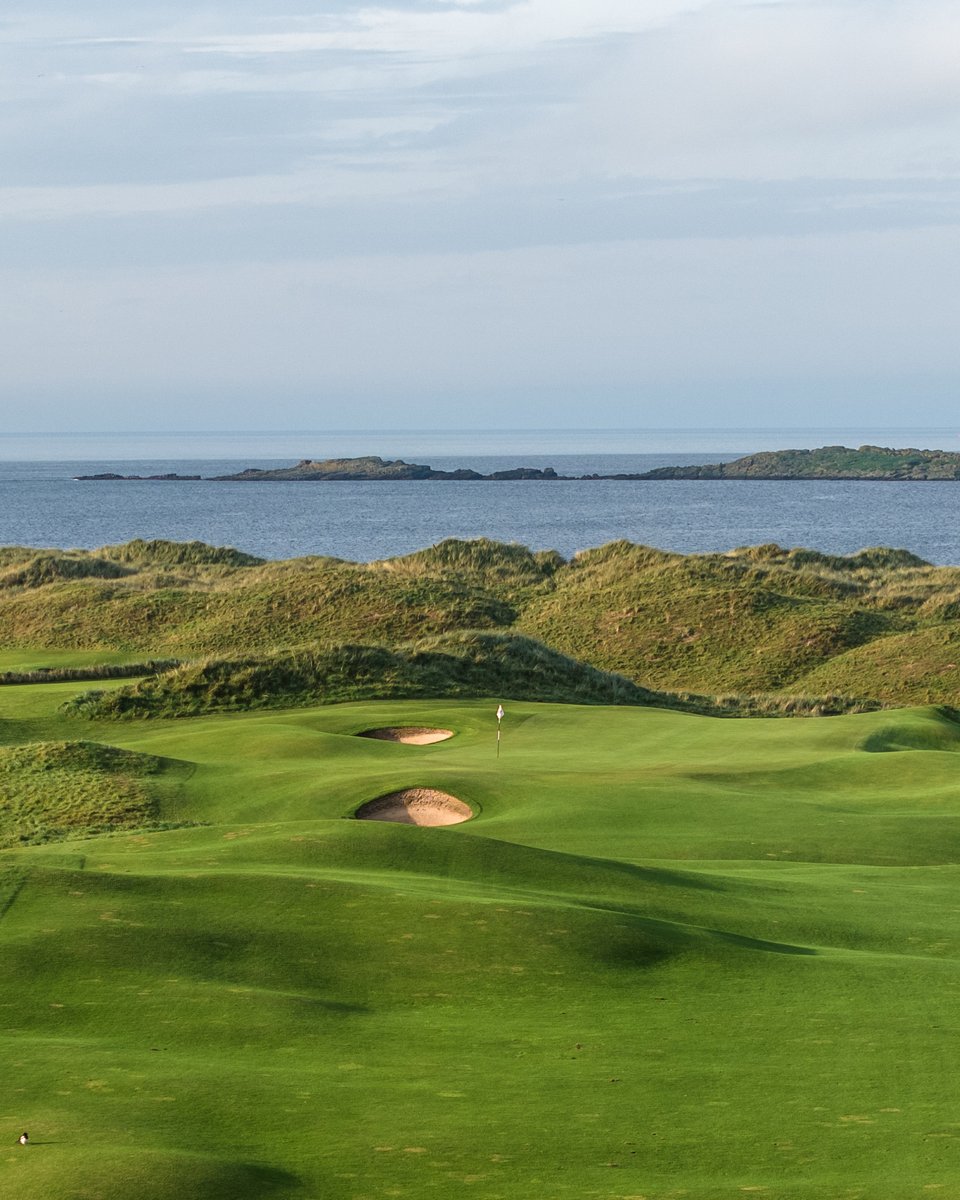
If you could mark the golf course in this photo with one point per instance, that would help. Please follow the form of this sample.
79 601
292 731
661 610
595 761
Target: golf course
345 949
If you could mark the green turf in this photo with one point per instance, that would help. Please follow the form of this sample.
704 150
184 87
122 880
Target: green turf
38 659
672 956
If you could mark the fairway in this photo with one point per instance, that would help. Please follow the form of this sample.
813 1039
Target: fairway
668 956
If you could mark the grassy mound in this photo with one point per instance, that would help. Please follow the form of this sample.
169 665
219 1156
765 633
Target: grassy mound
167 554
52 567
205 601
916 731
750 621
921 666
457 666
482 563
53 790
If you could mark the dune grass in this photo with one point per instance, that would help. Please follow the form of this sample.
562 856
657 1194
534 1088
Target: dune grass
671 956
458 665
875 626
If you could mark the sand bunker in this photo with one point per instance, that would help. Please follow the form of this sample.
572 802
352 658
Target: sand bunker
416 806
411 735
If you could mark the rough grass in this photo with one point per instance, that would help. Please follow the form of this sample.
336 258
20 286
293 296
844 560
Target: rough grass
919 667
92 671
456 666
163 553
50 567
759 620
754 620
50 791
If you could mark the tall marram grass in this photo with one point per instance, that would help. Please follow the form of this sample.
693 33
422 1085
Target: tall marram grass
164 553
757 620
53 566
459 666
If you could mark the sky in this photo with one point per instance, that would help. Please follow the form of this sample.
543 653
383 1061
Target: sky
459 213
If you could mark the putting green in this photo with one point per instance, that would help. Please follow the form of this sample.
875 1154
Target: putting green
670 956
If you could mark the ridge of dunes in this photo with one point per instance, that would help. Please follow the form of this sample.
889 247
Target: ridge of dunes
878 625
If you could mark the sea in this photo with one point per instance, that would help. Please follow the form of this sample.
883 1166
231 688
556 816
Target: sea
43 505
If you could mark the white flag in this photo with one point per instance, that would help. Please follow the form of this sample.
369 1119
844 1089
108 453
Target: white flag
499 712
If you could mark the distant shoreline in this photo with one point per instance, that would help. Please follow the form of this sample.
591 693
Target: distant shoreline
826 464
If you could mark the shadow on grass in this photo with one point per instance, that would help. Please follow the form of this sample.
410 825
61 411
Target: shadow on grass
660 876
12 883
153 1175
749 943
647 942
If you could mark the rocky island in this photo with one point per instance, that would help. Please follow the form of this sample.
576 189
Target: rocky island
111 475
370 468
877 463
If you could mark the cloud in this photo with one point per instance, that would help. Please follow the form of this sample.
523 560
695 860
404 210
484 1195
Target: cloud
522 92
460 31
773 91
544 198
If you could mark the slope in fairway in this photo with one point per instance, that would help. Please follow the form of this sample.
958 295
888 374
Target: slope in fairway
669 956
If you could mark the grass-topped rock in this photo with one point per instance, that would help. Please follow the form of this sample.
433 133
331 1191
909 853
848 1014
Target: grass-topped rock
54 790
827 462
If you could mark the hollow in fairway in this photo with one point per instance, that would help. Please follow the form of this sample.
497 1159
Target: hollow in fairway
410 735
416 806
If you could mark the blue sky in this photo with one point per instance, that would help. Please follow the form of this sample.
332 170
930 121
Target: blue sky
613 213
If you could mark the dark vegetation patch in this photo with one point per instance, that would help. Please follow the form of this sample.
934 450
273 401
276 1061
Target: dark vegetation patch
96 671
54 790
151 1174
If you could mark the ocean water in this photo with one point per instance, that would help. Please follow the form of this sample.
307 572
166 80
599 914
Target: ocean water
42 505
